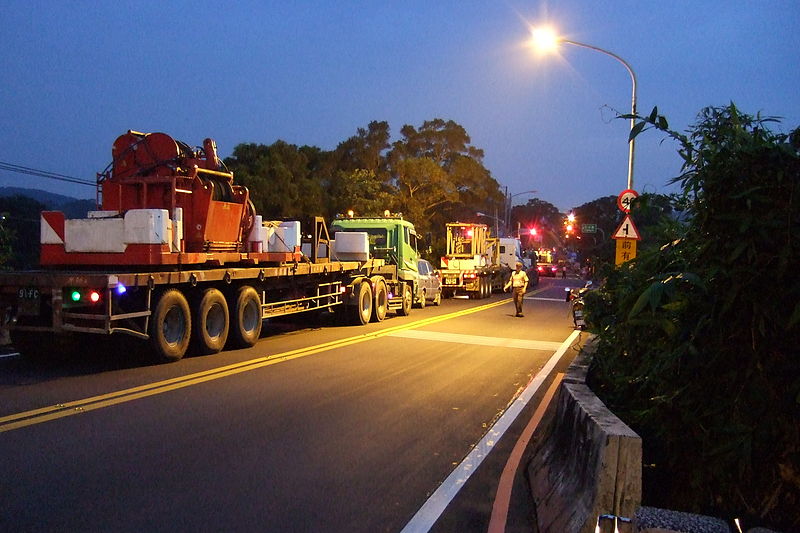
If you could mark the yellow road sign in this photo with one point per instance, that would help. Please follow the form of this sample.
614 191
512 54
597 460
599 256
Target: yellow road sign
626 250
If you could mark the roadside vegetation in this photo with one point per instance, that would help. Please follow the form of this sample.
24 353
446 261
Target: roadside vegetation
699 335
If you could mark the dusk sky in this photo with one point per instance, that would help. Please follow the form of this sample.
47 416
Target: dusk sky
77 74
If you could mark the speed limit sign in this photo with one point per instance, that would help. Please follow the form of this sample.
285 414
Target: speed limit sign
625 199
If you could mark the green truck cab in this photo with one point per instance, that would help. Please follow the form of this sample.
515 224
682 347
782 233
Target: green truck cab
390 238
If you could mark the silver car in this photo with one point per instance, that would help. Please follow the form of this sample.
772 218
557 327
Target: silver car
430 284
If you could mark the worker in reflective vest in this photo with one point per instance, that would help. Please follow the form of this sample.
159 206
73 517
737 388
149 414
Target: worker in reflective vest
518 282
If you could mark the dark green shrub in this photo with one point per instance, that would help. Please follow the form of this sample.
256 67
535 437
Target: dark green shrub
699 338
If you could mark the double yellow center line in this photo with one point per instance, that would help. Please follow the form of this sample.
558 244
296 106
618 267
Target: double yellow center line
62 410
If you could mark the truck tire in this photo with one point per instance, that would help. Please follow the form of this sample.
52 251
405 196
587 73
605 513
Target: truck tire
381 300
408 300
211 322
171 326
245 319
361 310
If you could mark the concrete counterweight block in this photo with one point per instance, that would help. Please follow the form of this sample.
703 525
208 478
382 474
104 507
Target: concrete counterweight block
351 246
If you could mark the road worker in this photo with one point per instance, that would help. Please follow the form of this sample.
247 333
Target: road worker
518 283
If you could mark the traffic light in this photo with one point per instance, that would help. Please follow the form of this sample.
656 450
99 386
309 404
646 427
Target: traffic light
569 226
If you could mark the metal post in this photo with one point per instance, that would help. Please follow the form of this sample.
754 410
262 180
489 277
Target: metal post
631 143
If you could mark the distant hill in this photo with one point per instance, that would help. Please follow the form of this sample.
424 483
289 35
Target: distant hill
72 207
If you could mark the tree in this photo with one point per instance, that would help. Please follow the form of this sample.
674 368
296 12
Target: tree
543 216
19 232
279 178
435 171
356 176
699 336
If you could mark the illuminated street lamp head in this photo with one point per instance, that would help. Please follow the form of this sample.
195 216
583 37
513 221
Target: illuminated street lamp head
544 39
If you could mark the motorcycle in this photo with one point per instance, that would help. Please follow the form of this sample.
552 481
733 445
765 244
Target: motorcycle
575 297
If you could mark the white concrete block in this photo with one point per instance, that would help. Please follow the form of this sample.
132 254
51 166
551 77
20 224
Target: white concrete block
177 229
352 245
286 237
147 226
94 235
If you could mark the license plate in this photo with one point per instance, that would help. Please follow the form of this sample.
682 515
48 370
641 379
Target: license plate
451 281
29 299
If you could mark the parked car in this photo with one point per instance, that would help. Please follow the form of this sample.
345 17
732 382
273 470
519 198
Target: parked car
430 284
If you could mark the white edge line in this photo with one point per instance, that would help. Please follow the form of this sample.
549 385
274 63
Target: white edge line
9 355
434 506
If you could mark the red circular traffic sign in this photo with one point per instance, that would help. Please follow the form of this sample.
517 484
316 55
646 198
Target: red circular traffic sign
625 199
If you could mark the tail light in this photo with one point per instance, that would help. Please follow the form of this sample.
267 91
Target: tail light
82 296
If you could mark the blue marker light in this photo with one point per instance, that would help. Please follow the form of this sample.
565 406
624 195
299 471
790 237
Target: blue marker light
121 289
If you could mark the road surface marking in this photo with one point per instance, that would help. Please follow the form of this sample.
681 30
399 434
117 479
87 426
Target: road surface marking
432 509
9 355
477 339
502 499
62 410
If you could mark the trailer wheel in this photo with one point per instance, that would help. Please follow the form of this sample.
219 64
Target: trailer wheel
381 300
408 300
246 319
211 322
362 310
171 326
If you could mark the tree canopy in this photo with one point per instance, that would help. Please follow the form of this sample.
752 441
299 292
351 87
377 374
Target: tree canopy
431 174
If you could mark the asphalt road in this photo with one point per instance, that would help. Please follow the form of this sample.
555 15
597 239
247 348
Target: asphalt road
316 428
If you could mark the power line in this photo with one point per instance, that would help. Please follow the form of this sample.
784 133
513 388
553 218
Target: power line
11 167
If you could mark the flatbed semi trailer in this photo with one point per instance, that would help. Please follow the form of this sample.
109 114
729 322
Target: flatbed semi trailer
175 255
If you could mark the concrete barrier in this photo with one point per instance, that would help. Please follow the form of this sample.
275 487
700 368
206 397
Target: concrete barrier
585 462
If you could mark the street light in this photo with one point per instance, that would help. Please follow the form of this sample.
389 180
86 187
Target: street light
546 40
508 207
496 221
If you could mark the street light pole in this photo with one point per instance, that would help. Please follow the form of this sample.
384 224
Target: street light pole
545 39
507 214
631 144
496 220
